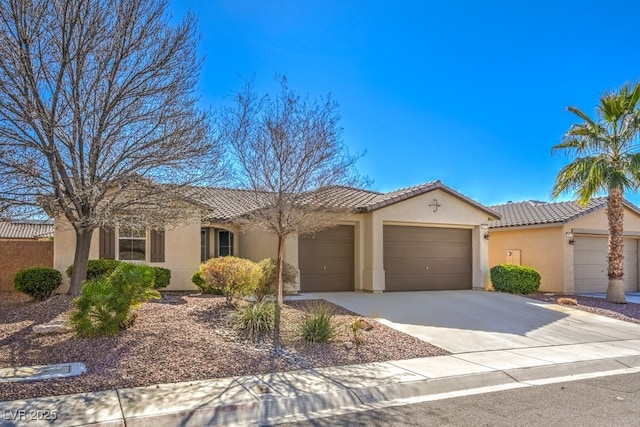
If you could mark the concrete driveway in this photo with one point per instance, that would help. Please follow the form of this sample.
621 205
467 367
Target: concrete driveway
470 321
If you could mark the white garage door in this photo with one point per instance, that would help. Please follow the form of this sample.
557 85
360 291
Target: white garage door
590 264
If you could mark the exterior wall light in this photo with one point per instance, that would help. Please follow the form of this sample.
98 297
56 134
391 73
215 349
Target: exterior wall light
486 236
571 238
486 228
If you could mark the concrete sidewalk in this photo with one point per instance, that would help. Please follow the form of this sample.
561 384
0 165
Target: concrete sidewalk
280 397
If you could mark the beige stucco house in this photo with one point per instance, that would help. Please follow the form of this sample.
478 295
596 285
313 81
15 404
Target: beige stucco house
565 242
425 237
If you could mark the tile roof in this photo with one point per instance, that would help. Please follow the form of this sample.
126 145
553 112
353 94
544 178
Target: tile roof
227 204
532 212
26 230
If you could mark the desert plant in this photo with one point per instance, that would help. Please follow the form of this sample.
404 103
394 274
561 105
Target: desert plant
318 325
256 319
236 277
357 327
162 277
515 279
105 305
267 284
199 281
37 282
97 268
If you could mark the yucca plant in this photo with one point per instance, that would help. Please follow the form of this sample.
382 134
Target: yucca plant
317 324
256 319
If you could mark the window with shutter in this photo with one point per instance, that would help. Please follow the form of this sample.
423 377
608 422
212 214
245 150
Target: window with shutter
157 245
107 243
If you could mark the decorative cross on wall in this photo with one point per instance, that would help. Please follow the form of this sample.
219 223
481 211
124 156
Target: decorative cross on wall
435 205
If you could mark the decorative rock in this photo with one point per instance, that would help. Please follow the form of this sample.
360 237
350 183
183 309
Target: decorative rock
348 345
55 327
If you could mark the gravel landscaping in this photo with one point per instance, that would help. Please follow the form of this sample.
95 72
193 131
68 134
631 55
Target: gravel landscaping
629 312
182 337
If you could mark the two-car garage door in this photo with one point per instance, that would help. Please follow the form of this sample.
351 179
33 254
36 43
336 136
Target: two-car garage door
427 258
590 264
415 259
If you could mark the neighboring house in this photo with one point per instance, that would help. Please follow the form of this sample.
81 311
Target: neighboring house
24 244
565 242
425 237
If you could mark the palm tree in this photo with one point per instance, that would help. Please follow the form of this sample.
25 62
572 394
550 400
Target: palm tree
605 161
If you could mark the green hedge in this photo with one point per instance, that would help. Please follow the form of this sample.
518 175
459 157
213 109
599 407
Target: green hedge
268 281
162 277
101 268
515 279
37 282
97 268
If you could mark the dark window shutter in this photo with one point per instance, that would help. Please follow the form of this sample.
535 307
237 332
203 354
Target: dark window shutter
107 243
157 245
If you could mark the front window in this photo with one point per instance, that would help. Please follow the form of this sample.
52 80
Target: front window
225 243
132 244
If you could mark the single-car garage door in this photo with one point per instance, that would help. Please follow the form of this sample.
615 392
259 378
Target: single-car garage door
426 258
326 260
590 264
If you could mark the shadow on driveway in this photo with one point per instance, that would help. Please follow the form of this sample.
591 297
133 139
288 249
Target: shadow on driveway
464 321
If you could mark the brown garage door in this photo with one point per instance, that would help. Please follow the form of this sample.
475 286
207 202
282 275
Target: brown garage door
590 264
426 259
326 260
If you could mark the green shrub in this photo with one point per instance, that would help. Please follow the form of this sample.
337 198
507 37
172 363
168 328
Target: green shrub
267 284
318 325
105 305
198 280
97 268
515 279
162 277
37 282
256 319
236 277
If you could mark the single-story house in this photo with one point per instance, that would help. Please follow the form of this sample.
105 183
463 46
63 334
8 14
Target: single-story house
425 237
567 243
24 244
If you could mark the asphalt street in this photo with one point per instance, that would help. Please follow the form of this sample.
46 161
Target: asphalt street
605 401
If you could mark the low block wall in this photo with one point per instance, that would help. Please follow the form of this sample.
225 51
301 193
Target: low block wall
18 254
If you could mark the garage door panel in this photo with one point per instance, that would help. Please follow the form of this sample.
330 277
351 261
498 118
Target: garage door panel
591 262
427 258
326 260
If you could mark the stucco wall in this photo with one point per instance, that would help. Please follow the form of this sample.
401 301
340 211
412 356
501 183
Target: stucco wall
547 249
598 221
451 212
182 253
18 254
540 248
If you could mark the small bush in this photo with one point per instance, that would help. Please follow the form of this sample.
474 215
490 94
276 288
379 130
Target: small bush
236 277
199 281
267 284
318 325
256 319
37 282
162 277
515 279
97 268
105 305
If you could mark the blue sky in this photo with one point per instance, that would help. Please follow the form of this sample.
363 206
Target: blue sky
473 93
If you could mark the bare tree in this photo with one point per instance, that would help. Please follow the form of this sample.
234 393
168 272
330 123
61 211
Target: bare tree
288 151
97 113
